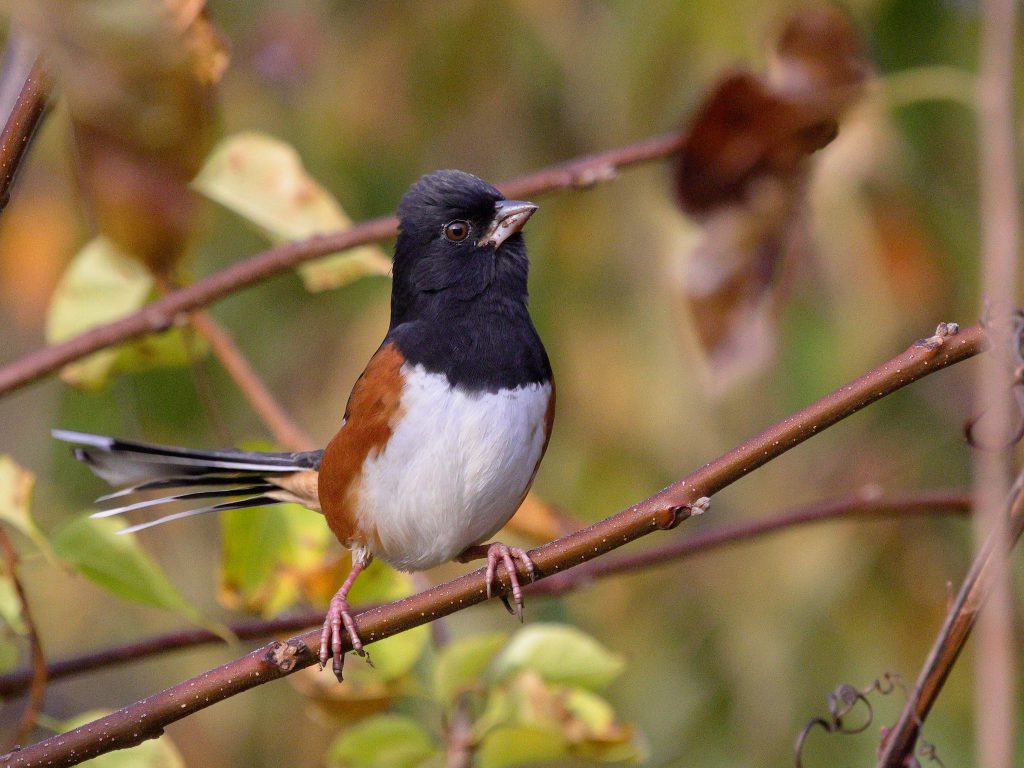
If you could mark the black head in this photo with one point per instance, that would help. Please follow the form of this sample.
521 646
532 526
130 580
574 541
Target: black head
459 240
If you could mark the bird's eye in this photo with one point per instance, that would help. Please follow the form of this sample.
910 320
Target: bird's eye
457 230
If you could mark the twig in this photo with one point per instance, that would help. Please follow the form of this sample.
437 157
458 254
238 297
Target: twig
868 504
865 505
147 718
37 683
995 663
281 425
898 743
26 111
15 683
161 314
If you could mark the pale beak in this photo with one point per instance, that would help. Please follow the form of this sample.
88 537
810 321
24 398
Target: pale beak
510 216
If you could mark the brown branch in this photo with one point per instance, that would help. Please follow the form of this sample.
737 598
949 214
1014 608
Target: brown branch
147 718
26 113
165 311
995 693
37 681
281 425
898 743
865 505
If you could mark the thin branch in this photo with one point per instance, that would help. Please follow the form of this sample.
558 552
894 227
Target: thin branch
281 425
999 213
867 504
26 110
147 718
860 506
161 314
37 681
898 743
15 683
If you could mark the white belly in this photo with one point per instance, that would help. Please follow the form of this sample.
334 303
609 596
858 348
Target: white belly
454 471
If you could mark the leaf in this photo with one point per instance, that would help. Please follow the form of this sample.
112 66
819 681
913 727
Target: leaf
117 563
8 656
384 741
138 80
262 179
396 655
540 521
742 174
152 753
513 745
102 284
16 485
462 663
10 606
269 553
560 654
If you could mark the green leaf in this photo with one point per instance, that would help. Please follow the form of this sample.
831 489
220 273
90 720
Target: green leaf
512 745
383 741
560 654
462 663
16 486
102 284
262 179
268 553
393 656
10 606
152 753
8 655
117 563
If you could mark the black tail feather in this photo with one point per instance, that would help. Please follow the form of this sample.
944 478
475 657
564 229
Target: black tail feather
147 467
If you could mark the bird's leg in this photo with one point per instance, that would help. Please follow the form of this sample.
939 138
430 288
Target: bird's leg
494 553
339 614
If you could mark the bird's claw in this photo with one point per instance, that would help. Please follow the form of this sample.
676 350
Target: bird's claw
508 556
339 615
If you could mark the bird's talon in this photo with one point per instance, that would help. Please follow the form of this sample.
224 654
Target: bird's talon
507 604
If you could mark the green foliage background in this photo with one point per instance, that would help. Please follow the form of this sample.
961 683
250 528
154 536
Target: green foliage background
727 656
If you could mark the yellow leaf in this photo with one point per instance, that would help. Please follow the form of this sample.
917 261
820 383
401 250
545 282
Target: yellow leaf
263 180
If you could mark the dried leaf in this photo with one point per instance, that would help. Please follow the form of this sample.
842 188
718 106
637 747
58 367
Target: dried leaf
540 521
262 179
742 174
16 485
138 78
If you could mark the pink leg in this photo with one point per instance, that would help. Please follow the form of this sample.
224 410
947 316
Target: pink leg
339 614
507 555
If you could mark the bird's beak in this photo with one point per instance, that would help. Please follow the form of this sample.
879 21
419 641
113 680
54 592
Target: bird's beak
510 216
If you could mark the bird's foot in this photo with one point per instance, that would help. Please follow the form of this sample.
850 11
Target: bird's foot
339 615
508 555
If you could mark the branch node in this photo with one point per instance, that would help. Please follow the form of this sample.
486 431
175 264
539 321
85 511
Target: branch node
942 332
673 516
285 656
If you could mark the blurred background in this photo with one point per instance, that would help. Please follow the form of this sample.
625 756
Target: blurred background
727 655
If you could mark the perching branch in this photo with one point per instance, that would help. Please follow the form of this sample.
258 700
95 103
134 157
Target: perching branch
161 314
864 505
664 510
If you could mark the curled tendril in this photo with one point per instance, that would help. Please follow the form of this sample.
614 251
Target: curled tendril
843 701
1013 355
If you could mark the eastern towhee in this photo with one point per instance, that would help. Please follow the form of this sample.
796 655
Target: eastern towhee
443 432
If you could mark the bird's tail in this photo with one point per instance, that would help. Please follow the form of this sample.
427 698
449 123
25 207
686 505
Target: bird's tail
247 478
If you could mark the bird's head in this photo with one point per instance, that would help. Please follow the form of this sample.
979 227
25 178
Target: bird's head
459 239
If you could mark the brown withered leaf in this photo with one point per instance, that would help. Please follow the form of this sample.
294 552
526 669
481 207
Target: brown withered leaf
742 175
138 77
539 521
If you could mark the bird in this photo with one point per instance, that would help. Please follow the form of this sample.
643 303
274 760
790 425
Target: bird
442 434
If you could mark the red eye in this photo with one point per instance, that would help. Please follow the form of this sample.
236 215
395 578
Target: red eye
457 230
